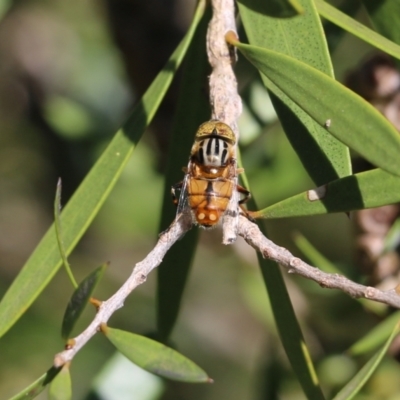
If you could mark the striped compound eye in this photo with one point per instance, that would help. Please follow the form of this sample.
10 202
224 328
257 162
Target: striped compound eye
213 152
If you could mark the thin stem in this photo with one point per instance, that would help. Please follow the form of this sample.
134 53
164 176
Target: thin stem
139 275
226 104
254 237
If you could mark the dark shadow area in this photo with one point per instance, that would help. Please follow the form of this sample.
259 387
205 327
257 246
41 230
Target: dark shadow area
346 191
146 33
334 34
312 158
136 123
51 374
305 145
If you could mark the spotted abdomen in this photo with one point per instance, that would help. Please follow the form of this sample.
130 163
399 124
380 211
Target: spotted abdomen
209 200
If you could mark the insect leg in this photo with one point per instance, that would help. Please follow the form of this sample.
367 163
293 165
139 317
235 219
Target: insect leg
245 192
177 186
251 215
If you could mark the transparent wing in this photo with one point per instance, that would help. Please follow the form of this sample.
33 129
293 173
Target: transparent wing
233 206
183 196
231 218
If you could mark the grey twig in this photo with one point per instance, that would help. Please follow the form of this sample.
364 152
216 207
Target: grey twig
226 107
139 275
294 265
226 104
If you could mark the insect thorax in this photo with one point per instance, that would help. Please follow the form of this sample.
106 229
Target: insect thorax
213 151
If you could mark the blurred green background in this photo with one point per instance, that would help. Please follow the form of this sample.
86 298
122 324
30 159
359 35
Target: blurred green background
70 71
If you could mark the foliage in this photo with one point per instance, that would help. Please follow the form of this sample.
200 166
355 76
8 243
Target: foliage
323 121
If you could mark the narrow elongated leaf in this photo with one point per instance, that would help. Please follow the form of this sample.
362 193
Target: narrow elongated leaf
359 380
286 321
192 110
289 329
91 194
368 189
376 336
155 357
357 29
324 157
79 299
301 37
340 111
38 386
60 387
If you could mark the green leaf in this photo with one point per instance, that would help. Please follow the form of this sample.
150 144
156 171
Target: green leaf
289 329
358 381
285 318
155 357
79 299
38 386
280 8
386 17
340 111
368 189
87 200
60 387
376 336
286 321
192 110
357 29
302 37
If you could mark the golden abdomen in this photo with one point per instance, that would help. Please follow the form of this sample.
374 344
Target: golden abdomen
209 199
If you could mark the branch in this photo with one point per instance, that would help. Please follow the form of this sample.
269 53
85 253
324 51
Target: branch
177 229
254 237
226 104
